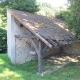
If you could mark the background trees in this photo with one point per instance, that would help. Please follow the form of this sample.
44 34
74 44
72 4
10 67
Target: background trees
73 19
71 15
24 5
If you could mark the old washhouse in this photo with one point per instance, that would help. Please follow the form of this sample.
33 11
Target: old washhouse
30 34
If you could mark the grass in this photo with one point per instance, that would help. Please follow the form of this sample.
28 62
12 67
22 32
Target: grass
27 71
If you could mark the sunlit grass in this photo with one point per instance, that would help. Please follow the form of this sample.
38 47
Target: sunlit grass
27 71
1 61
6 73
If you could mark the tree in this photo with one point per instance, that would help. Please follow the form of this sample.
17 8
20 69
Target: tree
24 5
73 20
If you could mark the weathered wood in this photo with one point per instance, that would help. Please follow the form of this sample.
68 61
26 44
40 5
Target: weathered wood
45 41
40 58
66 42
44 50
54 43
17 22
27 32
38 50
35 46
29 28
42 27
63 42
25 36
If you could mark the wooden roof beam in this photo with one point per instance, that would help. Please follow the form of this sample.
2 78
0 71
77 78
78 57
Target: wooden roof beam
53 42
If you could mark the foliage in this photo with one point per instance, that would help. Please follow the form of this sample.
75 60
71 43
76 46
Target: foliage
26 5
27 71
3 33
63 15
47 10
73 20
72 17
3 40
3 6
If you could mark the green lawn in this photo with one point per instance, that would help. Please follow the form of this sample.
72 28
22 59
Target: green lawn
28 71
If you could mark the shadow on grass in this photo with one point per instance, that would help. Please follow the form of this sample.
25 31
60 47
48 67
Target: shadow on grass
27 71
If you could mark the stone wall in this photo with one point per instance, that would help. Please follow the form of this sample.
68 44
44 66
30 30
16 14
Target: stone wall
52 51
23 51
18 50
73 48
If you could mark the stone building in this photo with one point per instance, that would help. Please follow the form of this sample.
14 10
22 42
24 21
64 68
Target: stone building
29 36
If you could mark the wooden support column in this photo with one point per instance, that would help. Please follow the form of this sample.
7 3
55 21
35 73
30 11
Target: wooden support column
40 58
40 50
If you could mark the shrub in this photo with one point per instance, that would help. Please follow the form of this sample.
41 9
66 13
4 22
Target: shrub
47 10
63 14
3 40
73 19
26 5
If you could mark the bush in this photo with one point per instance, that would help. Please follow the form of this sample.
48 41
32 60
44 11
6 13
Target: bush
3 41
73 19
47 10
26 5
63 14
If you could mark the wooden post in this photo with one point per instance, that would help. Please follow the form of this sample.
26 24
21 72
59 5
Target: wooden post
40 58
40 50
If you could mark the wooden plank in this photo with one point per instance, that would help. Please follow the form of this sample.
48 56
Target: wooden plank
39 53
24 24
25 36
40 59
44 50
54 43
35 46
63 42
66 42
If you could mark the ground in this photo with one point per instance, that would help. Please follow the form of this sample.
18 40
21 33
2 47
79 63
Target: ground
27 71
